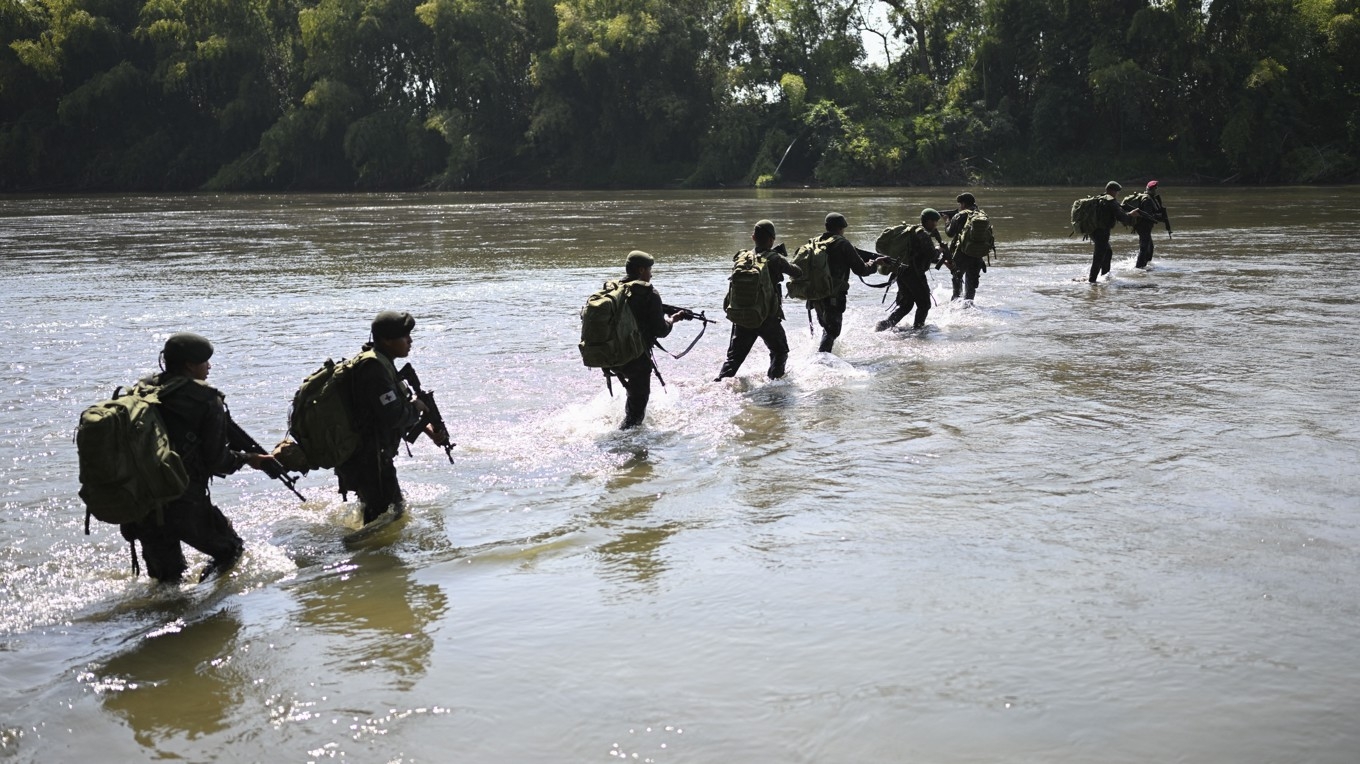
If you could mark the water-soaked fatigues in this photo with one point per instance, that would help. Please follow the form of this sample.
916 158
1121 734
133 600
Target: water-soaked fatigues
195 417
913 290
843 259
1151 213
636 375
966 271
1101 254
383 413
772 331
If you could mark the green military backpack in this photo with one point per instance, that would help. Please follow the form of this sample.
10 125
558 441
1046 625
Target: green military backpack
1088 215
900 243
895 242
321 420
815 283
610 336
1138 200
127 468
976 240
750 292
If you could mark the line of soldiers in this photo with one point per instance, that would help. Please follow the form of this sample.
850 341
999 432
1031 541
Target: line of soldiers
655 319
925 248
201 431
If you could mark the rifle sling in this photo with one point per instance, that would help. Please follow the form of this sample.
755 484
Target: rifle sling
703 327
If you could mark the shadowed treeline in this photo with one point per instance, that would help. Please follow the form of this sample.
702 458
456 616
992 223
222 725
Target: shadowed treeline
398 94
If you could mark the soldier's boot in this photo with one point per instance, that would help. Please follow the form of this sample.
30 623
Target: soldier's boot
777 361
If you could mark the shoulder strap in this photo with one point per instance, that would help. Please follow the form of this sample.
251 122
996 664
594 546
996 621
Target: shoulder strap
370 355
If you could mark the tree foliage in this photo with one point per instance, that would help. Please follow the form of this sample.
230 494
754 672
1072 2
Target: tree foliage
392 94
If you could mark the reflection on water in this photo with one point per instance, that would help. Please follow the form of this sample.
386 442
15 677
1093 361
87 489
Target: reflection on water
178 682
633 551
381 618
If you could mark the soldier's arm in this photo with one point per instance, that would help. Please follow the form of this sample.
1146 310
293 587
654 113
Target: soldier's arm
1120 214
955 226
854 258
783 267
214 445
650 313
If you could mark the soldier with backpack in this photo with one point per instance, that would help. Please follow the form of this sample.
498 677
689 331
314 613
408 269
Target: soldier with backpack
753 302
382 411
619 326
970 240
196 421
1094 216
1148 202
838 258
909 251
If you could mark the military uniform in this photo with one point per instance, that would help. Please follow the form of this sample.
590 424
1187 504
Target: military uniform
1152 213
913 289
966 269
195 417
383 412
636 375
1111 213
843 259
772 331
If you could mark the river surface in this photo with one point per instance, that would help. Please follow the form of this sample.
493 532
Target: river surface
1072 523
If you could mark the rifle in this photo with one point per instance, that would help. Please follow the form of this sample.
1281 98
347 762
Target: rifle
885 286
242 440
430 416
686 314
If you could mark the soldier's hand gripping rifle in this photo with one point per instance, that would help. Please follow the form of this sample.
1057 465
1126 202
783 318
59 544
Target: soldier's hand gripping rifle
688 314
240 440
430 416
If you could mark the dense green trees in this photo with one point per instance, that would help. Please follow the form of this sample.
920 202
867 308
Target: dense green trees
343 94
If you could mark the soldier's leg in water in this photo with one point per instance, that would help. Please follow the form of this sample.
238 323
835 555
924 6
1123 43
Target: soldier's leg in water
738 348
161 553
772 332
830 313
204 527
920 292
973 276
956 276
1098 247
363 474
636 378
1144 247
902 305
